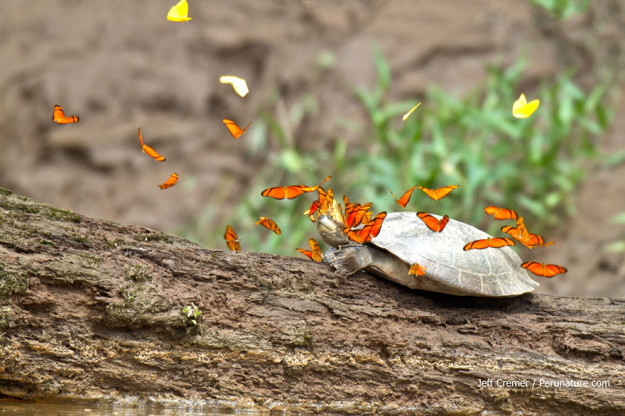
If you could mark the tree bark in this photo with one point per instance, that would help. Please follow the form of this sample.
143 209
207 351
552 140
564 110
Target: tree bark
93 310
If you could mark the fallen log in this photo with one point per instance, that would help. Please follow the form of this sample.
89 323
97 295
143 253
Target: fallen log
90 309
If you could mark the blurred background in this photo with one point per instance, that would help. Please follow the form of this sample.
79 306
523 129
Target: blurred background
329 83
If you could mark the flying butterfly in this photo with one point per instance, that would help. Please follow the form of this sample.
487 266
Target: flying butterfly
410 112
439 193
501 213
494 242
405 198
179 12
432 223
315 251
239 84
542 269
234 129
59 116
169 182
310 212
269 224
526 238
291 191
417 270
232 239
522 109
150 151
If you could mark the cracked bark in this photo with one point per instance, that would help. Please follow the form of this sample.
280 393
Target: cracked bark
92 310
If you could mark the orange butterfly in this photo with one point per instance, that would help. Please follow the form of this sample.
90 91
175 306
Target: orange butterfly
439 193
269 224
315 251
310 212
169 182
494 242
501 213
358 214
291 191
433 224
232 239
234 129
59 116
542 269
370 230
526 238
403 201
417 270
150 151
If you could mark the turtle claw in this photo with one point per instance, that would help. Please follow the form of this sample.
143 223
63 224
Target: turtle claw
348 260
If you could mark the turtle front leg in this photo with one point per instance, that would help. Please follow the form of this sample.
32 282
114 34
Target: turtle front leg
347 260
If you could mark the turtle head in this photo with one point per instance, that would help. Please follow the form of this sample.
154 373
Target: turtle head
331 231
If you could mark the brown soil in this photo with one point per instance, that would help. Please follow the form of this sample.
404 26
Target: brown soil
121 65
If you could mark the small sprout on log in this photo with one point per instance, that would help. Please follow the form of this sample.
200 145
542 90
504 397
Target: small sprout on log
192 313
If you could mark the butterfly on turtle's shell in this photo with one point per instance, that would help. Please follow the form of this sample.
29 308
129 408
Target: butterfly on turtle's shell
417 270
494 242
432 223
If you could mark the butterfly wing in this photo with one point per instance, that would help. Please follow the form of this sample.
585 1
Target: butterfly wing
542 269
269 224
173 179
232 239
417 270
410 112
234 129
495 242
58 116
432 223
149 150
179 12
315 250
439 193
239 84
501 213
522 109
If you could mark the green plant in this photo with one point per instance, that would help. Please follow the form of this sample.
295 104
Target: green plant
192 313
563 9
531 165
617 246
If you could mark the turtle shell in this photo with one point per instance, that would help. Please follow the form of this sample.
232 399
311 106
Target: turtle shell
450 269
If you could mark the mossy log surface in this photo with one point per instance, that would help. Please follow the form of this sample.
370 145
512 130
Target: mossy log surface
93 310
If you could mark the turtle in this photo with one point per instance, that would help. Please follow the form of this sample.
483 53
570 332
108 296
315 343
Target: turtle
404 239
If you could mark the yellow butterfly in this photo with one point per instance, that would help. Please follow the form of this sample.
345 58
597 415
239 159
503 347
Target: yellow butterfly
179 12
410 112
523 109
239 84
